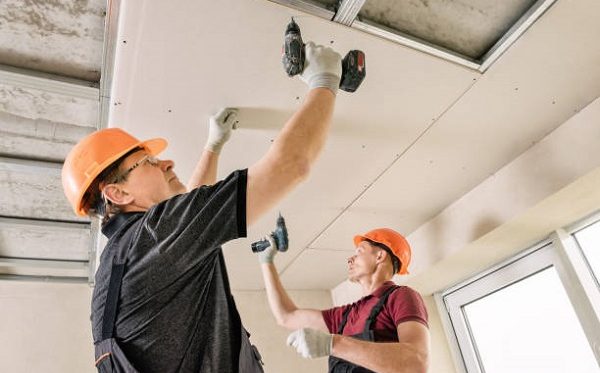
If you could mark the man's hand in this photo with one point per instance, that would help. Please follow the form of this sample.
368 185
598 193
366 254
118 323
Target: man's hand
267 255
219 129
322 67
310 343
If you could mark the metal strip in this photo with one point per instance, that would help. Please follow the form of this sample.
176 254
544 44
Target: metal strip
83 225
111 34
307 6
347 12
43 263
27 165
59 279
414 43
48 82
514 33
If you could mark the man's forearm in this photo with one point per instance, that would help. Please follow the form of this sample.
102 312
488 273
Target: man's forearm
279 301
205 172
380 357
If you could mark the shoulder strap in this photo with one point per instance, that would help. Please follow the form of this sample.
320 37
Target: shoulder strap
377 308
344 320
114 286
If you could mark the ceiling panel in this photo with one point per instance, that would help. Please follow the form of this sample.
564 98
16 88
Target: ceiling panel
63 37
467 27
317 269
544 79
155 94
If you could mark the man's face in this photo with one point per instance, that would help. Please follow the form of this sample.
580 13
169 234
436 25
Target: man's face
363 262
151 181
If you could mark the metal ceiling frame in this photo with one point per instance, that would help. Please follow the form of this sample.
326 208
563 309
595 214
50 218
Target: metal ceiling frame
348 10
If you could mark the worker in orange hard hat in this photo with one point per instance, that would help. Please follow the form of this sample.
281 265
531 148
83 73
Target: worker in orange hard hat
386 330
162 301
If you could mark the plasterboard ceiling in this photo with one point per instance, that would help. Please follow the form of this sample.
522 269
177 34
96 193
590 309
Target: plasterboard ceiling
418 134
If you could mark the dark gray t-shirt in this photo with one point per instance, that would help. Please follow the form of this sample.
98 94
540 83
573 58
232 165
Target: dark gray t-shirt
176 312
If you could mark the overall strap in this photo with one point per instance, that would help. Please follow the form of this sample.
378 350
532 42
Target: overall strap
377 308
344 320
114 285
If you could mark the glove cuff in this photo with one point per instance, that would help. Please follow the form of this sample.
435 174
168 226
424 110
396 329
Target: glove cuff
325 80
213 148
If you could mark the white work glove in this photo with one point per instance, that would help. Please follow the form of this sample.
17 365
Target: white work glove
268 254
219 129
322 67
310 343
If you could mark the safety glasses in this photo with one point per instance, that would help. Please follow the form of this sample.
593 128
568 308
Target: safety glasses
151 160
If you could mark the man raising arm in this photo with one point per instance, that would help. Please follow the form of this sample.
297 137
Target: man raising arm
385 331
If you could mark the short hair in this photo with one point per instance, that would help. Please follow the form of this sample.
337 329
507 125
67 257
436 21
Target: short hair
396 263
97 205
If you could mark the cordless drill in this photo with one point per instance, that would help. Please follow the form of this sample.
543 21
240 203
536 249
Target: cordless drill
279 235
353 65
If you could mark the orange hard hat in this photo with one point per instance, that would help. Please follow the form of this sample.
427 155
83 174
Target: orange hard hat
394 241
94 154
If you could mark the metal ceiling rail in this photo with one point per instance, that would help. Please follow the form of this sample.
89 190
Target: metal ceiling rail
48 82
348 11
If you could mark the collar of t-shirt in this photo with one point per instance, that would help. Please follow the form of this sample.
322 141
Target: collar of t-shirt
380 290
116 223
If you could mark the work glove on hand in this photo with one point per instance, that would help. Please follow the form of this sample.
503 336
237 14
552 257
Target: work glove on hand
219 129
268 254
311 343
322 67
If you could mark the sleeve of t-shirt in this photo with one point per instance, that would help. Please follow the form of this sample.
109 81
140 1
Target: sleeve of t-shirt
405 304
202 219
333 317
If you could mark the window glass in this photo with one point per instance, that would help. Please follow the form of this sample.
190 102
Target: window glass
529 326
589 241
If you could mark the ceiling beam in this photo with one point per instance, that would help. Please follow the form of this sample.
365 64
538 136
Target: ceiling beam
347 11
46 82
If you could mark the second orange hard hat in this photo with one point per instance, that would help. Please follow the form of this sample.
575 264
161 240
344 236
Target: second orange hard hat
394 241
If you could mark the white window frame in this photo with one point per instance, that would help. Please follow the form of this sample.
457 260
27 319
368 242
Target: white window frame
559 250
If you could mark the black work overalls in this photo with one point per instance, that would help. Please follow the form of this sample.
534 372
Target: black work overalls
337 365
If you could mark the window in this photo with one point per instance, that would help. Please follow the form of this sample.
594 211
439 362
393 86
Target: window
588 239
528 314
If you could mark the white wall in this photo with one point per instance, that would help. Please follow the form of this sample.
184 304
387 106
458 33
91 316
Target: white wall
270 338
45 327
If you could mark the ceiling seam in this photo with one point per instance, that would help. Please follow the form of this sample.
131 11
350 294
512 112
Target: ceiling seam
396 158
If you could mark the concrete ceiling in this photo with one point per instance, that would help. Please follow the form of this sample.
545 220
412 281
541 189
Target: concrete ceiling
419 133
51 56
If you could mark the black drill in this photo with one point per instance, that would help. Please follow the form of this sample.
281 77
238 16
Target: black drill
353 65
279 235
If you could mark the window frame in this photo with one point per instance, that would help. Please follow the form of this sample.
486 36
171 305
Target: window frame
561 250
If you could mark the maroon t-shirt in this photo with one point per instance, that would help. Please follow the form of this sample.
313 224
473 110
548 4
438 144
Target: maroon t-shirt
403 304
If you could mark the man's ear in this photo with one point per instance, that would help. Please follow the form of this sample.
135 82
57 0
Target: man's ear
115 194
381 256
